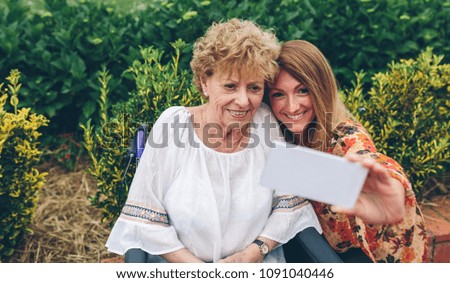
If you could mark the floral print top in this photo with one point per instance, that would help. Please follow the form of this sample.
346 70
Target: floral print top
401 242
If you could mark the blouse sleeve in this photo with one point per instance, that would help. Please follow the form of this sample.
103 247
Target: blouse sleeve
144 222
290 215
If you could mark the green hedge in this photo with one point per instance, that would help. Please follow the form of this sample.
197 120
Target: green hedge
19 177
406 111
60 49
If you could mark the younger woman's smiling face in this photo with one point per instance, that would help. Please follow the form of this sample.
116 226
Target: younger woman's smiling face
291 103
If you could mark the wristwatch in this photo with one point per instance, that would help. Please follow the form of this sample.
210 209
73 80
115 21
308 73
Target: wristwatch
263 247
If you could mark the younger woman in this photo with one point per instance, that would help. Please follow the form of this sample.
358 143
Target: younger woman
386 224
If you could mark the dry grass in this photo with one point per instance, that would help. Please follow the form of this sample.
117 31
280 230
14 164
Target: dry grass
66 227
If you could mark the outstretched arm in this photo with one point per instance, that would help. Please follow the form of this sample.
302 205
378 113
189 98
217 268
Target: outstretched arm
382 198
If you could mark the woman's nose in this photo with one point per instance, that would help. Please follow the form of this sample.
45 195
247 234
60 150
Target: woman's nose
242 98
293 104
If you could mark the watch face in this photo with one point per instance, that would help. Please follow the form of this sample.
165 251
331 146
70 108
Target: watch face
264 249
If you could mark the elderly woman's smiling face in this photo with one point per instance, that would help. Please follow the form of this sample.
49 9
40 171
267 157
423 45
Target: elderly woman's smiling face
233 98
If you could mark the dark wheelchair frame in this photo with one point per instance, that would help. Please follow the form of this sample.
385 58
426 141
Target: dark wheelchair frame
309 240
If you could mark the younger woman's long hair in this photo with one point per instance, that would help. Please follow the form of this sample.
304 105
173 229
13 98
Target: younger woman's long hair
304 62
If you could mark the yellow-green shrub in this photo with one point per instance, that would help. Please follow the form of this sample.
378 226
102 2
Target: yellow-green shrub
20 180
406 112
158 86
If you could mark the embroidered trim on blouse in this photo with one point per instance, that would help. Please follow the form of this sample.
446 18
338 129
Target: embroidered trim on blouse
145 213
291 202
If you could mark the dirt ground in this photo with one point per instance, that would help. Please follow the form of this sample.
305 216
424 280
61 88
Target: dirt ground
66 228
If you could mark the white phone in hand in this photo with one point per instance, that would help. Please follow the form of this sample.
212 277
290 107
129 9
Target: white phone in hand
313 175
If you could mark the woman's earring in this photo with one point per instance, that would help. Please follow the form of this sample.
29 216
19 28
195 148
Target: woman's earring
205 94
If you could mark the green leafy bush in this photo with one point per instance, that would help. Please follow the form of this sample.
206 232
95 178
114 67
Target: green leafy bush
354 35
19 178
367 34
60 51
158 86
61 48
407 113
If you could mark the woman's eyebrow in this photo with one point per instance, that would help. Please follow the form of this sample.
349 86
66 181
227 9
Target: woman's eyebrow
256 83
276 89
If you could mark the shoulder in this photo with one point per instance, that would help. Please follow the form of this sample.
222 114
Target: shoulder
264 118
348 128
266 123
350 135
263 114
169 120
171 113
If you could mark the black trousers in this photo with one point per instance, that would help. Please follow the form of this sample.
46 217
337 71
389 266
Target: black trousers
295 253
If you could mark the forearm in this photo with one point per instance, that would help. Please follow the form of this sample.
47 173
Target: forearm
251 253
269 242
181 255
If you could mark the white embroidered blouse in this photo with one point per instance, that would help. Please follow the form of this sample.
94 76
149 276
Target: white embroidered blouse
185 194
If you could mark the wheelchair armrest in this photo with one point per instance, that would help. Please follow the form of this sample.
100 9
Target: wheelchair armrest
141 256
135 256
316 246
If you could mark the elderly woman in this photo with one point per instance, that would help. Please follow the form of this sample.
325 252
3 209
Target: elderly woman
197 198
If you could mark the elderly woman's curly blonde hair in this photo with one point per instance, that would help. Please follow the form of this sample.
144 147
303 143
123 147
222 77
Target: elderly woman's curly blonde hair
235 46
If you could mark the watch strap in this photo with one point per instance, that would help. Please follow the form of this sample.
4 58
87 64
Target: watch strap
263 248
258 242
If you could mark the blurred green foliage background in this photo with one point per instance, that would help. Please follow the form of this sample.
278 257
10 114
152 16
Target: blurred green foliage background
59 46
